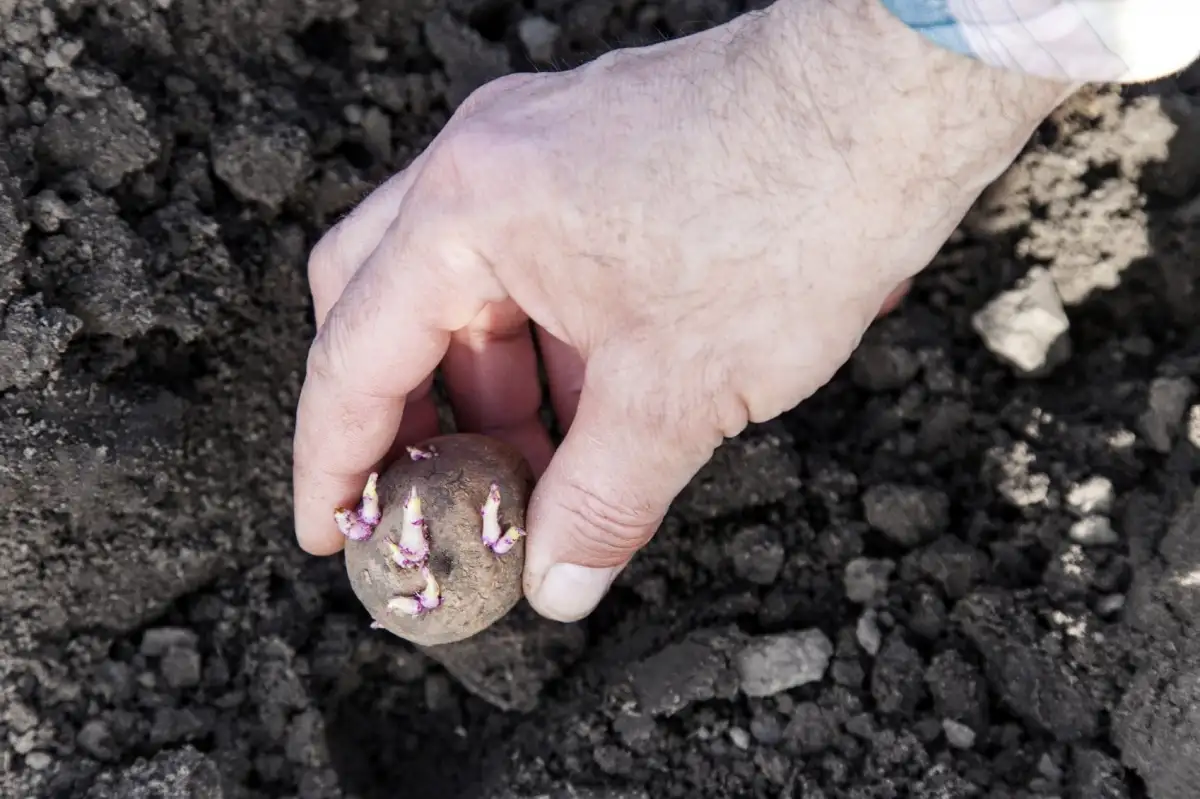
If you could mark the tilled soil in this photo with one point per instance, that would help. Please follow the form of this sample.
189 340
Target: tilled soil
940 578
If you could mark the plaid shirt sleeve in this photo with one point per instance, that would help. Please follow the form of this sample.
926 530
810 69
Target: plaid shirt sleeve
1072 40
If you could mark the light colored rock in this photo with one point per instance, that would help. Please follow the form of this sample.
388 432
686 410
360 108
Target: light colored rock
1094 531
770 664
1027 327
1091 496
539 36
1110 605
867 632
958 735
866 579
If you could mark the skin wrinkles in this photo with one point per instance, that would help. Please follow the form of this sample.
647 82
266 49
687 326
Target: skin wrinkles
685 232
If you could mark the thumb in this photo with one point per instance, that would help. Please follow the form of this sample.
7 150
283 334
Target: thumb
606 491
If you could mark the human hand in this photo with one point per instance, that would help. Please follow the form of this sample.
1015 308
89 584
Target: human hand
699 231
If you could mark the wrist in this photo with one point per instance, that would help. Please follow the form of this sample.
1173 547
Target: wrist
883 88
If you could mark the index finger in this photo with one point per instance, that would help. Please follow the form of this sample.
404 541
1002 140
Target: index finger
384 337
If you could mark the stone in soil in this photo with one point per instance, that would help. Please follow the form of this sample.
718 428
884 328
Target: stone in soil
262 161
883 366
1092 496
906 514
694 670
866 579
770 664
108 137
1027 327
867 632
1094 531
958 735
1166 404
757 554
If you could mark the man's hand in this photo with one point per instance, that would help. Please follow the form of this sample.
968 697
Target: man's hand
699 232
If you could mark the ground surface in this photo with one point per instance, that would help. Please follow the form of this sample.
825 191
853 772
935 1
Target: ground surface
949 629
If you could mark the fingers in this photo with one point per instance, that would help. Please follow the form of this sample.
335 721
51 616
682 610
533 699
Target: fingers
344 247
420 421
382 339
564 368
492 377
893 300
606 491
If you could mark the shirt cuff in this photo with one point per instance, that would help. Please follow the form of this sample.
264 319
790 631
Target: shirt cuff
1097 41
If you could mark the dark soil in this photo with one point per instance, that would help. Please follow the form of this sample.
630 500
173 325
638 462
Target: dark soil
879 595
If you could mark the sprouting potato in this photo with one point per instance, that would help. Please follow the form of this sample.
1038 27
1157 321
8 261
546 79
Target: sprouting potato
436 548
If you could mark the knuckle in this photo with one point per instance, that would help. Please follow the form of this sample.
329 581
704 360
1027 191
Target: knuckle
322 258
606 526
447 177
733 411
330 261
326 361
494 89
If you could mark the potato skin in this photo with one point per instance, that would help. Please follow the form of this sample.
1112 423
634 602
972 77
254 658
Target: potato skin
478 586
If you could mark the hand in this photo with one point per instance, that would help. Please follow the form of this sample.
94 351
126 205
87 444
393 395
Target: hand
699 231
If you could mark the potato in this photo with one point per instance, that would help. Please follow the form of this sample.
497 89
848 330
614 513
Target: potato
453 477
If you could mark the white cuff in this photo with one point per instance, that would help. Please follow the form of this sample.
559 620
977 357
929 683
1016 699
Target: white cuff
1071 40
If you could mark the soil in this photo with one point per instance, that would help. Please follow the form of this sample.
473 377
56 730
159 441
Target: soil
939 578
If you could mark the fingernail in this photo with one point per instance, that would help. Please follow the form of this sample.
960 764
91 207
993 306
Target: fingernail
570 592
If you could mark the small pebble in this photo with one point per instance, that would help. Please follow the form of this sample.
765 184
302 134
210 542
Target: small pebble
740 738
96 739
907 514
958 735
867 631
24 744
157 641
178 84
20 717
539 37
1094 531
634 729
1048 769
1091 497
758 554
766 729
1110 605
866 579
1193 426
1166 404
181 668
38 761
48 211
883 367
377 132
849 673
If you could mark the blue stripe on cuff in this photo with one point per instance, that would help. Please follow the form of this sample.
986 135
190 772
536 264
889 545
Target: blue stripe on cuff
933 20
